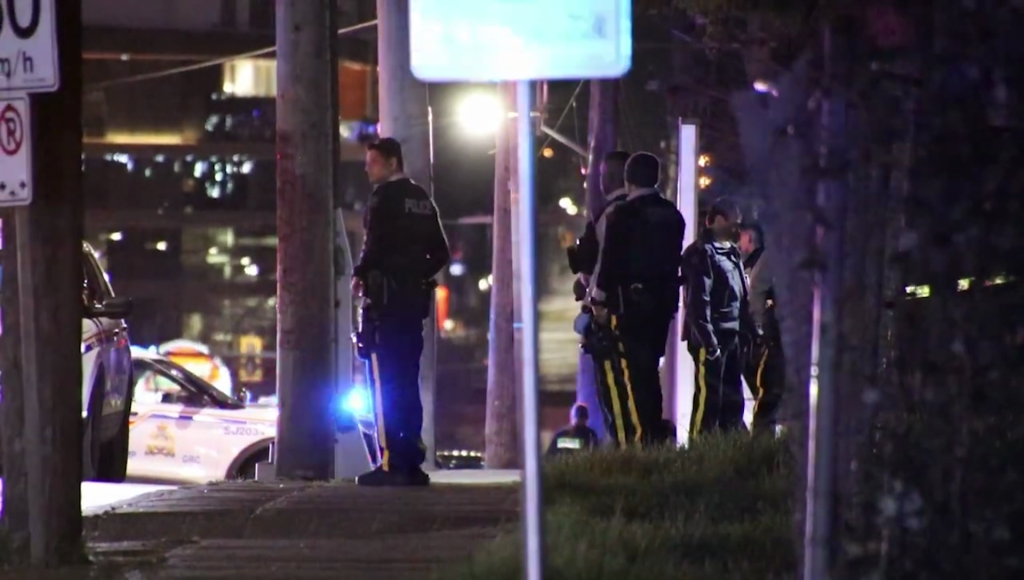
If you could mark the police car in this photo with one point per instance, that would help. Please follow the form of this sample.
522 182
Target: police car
183 429
106 374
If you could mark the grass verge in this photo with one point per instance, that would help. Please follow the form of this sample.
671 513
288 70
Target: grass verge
716 511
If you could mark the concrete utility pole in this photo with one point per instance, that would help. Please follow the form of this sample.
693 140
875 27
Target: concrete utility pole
404 116
501 444
305 231
42 408
602 127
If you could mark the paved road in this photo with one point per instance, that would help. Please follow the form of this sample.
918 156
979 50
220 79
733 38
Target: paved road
98 495
295 531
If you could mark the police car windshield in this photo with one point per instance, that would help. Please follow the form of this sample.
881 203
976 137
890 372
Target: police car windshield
198 384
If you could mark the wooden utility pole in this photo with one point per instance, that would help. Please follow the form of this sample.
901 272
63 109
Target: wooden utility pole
602 128
501 421
404 115
305 231
42 396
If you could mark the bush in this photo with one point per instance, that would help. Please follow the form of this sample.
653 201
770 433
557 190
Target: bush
718 510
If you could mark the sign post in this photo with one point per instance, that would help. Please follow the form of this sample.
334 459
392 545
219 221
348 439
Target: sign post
15 152
522 41
28 47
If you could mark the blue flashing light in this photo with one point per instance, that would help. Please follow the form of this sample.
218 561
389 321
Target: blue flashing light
357 402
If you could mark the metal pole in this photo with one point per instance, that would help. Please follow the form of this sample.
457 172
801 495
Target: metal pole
533 544
687 153
827 280
305 229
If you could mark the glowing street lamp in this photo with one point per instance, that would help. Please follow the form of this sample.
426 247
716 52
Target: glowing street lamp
481 113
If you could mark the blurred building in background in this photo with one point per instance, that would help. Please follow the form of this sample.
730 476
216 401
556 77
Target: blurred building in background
179 170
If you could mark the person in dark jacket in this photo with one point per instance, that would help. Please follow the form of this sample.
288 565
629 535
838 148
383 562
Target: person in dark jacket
404 248
582 259
717 312
764 368
577 437
583 256
634 293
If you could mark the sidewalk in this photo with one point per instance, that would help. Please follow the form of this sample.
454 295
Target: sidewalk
299 531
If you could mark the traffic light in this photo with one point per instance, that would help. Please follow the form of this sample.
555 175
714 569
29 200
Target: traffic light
251 368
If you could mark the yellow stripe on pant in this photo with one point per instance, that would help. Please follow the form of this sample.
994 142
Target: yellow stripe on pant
620 427
382 438
757 380
702 392
631 402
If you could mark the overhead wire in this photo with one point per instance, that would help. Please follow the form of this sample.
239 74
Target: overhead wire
565 111
212 62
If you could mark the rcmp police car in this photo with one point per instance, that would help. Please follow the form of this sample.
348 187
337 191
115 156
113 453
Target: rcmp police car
183 429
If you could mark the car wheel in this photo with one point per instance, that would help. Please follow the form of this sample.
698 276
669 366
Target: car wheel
113 460
247 470
91 432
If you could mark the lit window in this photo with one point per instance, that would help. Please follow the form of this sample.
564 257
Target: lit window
250 77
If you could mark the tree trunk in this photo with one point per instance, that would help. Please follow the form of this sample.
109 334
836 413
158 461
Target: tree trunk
501 430
44 458
774 161
305 229
404 115
602 126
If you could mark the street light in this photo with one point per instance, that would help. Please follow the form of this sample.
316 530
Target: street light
481 113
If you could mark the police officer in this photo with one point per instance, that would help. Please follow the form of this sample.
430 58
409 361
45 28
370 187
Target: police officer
577 437
583 258
717 313
634 293
765 365
404 249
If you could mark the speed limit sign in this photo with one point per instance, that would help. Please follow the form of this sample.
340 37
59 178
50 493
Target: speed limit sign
28 46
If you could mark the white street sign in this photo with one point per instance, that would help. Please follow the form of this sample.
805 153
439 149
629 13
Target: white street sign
15 152
518 40
28 47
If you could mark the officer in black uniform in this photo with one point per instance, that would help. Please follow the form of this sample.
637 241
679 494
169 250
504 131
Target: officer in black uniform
634 292
404 249
717 312
583 256
765 366
575 438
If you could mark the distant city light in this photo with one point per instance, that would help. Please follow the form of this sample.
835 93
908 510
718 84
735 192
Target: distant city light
117 236
213 251
565 203
481 113
547 152
484 285
457 269
252 270
161 246
704 160
449 325
246 260
572 210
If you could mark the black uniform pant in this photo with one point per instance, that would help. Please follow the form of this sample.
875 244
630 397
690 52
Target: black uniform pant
394 370
628 382
765 373
718 393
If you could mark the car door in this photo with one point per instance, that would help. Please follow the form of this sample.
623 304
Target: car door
170 439
115 351
95 343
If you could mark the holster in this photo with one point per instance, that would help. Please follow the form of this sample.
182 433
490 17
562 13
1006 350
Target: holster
599 340
367 336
